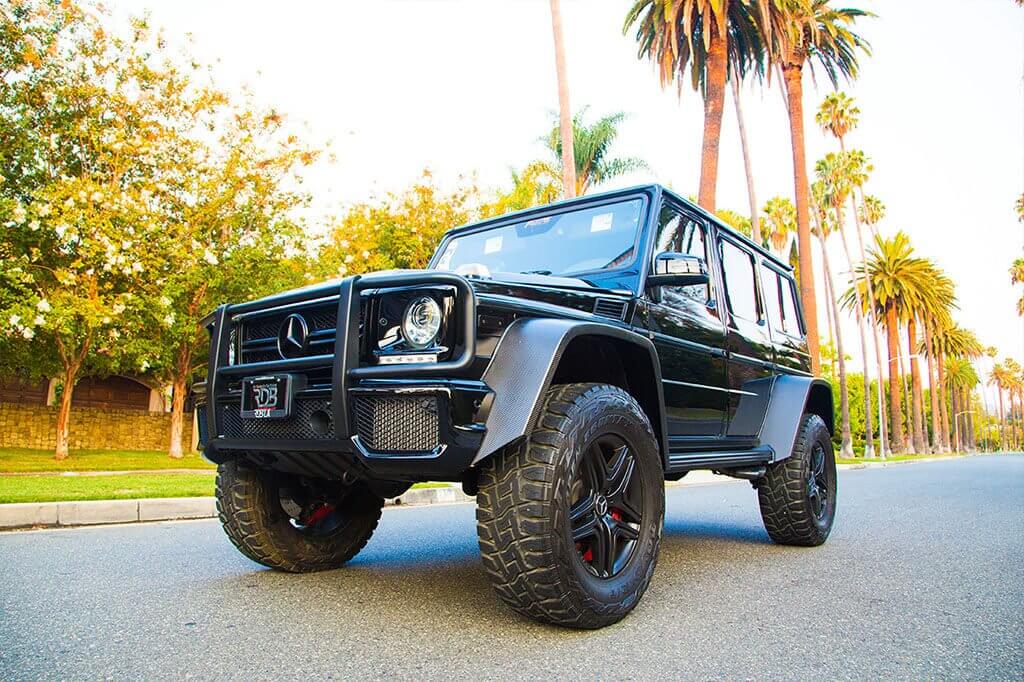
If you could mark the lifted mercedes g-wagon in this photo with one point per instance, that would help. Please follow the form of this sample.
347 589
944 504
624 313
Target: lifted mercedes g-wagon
561 363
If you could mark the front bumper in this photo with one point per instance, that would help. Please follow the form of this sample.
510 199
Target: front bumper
393 422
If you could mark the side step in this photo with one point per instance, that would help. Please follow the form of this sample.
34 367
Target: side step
687 461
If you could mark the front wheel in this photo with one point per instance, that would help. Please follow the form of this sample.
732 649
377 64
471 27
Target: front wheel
291 523
569 521
798 494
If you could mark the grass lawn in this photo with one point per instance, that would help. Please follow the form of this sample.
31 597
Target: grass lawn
890 458
23 460
122 487
126 487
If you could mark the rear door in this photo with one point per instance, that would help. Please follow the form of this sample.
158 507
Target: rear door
751 356
689 335
784 320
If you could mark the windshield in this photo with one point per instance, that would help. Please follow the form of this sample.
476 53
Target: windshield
566 244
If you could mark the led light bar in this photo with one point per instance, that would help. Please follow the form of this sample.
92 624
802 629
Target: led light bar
407 358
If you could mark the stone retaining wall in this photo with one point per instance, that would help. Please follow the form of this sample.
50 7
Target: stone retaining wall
34 426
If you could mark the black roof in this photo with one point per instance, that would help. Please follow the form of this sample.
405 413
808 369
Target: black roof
654 189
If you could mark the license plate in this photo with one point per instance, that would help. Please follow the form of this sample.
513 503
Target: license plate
267 397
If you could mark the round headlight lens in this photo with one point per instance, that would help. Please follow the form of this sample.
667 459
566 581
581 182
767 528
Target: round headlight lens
421 322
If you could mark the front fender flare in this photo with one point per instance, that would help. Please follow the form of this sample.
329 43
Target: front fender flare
522 367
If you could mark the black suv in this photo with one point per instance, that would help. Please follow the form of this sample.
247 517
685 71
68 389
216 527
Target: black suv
561 363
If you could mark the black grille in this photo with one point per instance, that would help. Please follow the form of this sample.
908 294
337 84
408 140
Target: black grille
397 423
297 426
266 326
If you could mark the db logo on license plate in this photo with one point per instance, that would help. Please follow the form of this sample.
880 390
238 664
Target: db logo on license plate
266 397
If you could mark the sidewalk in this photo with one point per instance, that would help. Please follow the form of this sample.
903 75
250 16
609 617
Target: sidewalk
69 514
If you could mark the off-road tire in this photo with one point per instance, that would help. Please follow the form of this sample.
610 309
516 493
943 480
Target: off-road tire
522 509
786 507
250 512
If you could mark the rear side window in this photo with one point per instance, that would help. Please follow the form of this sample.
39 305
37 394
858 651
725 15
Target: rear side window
772 298
790 317
741 290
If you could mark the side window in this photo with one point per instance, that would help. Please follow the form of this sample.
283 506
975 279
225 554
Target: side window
680 234
791 319
740 289
772 297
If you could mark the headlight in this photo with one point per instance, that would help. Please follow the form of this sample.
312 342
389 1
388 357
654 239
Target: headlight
421 322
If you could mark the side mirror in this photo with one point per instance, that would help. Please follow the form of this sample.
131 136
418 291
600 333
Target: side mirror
677 270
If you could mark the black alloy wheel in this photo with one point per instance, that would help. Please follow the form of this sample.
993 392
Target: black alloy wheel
606 510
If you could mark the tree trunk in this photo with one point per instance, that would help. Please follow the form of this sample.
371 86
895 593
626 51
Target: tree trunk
69 379
943 404
956 419
1002 422
179 388
564 111
714 104
755 224
971 442
895 410
793 74
869 448
917 409
933 390
846 447
905 400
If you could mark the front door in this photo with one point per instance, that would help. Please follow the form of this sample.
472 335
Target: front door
689 336
751 356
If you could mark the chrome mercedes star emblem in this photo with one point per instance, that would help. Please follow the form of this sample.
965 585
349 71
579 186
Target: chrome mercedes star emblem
292 336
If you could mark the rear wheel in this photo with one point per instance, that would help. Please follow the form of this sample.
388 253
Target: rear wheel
569 521
291 523
798 494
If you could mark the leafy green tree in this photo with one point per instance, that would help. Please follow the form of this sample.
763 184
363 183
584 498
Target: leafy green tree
79 113
592 144
399 231
535 185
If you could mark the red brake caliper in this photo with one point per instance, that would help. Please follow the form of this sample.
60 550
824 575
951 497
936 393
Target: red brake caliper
319 514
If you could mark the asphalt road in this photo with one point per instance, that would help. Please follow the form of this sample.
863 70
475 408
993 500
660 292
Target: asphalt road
923 577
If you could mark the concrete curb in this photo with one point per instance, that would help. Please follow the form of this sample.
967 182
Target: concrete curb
70 514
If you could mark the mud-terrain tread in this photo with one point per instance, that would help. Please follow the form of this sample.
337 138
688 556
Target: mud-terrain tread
782 493
516 534
256 527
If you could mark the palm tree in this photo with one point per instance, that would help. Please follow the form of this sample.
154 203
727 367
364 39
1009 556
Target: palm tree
802 33
871 212
702 37
823 228
564 115
898 278
1015 388
780 223
1000 378
755 222
954 342
833 186
961 378
838 114
1017 277
592 144
936 313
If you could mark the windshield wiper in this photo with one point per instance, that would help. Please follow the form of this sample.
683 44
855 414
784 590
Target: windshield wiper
535 272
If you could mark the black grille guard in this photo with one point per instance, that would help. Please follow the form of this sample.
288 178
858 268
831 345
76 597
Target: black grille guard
345 359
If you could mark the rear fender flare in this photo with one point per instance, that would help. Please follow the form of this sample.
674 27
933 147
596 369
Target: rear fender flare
522 368
793 397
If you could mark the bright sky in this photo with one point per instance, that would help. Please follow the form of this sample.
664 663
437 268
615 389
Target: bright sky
468 86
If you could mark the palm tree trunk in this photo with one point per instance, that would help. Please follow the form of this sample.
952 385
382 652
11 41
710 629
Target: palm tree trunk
869 448
905 400
755 224
846 447
944 403
956 418
874 326
1002 422
917 390
971 441
714 104
933 389
895 410
793 74
564 111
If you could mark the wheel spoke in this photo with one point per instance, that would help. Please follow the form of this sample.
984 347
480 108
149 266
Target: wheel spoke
819 462
583 505
586 526
626 531
592 467
620 472
630 511
605 548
